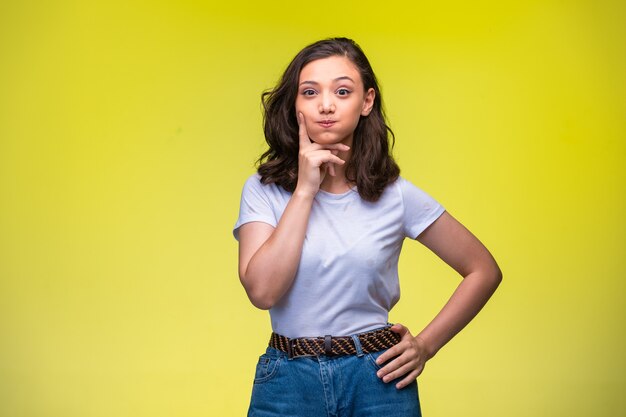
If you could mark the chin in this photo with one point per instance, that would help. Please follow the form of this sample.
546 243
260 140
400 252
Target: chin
325 139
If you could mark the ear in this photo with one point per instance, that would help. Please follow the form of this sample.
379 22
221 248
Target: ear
368 103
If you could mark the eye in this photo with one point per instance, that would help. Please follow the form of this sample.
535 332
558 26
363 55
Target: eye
343 92
308 92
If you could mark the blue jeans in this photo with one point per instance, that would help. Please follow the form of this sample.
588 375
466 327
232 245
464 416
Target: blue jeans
324 386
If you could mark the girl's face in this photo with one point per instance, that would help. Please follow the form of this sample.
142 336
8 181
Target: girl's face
332 99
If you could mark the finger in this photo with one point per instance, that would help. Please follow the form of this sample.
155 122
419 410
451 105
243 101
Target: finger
329 147
331 167
394 365
389 354
337 147
408 379
302 132
319 157
400 329
402 370
331 170
395 350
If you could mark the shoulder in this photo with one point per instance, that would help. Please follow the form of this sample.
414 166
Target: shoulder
403 183
253 180
401 187
415 200
402 192
259 203
406 187
254 183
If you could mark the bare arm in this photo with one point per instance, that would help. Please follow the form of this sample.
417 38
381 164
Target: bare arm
460 249
456 246
268 256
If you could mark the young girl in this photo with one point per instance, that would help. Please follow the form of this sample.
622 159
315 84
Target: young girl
320 230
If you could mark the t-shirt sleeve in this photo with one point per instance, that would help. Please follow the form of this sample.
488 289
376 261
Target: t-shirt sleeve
420 209
255 205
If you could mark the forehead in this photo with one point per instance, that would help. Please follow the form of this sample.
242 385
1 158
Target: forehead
328 69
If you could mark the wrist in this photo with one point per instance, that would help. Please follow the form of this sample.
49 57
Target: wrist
426 346
302 194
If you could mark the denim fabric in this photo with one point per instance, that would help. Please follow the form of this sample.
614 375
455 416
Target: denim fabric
324 386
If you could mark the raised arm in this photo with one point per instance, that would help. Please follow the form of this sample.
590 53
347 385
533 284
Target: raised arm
460 249
268 256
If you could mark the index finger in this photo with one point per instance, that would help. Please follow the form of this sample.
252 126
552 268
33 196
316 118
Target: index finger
302 133
389 354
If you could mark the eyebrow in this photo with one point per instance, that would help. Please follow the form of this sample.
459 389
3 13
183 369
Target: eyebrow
345 77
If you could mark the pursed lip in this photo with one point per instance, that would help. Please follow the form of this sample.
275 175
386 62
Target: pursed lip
327 123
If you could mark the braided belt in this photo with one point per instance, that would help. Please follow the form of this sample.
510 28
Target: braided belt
373 341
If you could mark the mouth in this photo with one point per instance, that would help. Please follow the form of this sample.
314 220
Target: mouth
326 123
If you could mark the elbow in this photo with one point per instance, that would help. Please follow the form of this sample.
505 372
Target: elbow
259 297
262 302
489 274
264 287
496 277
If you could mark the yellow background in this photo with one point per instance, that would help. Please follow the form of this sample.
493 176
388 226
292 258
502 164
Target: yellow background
127 130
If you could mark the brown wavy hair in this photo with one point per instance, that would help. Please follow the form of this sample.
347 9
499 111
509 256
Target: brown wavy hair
371 166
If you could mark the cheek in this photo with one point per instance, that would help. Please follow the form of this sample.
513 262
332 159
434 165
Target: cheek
303 106
355 117
309 114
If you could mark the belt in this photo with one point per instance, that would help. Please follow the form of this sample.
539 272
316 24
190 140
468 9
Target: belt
373 341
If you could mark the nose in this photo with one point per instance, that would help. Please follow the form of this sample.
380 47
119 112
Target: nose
326 104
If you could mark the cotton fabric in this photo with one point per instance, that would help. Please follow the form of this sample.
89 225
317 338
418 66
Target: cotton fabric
347 279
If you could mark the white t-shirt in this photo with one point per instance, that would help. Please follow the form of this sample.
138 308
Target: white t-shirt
347 279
